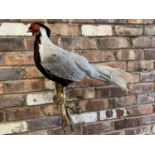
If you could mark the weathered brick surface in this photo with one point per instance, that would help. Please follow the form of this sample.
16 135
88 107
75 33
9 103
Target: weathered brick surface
23 86
150 30
129 30
144 130
26 97
130 55
8 101
135 21
140 66
127 123
43 123
143 42
78 43
10 44
23 113
149 54
65 29
93 129
19 58
97 104
1 59
1 89
9 73
113 43
76 94
140 110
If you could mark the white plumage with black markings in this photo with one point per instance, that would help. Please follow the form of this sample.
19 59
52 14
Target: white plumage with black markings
65 67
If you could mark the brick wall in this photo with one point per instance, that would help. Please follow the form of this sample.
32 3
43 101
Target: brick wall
26 97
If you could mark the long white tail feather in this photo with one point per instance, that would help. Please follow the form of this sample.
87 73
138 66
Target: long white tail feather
114 75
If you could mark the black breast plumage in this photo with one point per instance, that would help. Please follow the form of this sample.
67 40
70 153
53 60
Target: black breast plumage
63 82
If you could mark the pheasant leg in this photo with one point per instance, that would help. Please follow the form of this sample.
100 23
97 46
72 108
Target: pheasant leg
60 90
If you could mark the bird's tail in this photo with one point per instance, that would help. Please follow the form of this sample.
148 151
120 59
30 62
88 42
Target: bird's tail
114 75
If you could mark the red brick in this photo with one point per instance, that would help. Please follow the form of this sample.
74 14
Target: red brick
149 30
135 77
93 129
83 21
50 110
19 58
8 101
148 21
94 105
129 30
44 123
145 130
113 43
65 29
116 64
8 73
147 87
149 76
32 72
99 56
90 83
140 88
118 132
107 126
1 59
127 123
23 113
146 98
11 44
112 21
78 43
23 86
31 20
149 54
1 116
1 89
102 92
140 110
52 21
56 131
130 55
115 91
140 65
148 119
79 94
135 21
29 43
38 132
143 42
94 56
122 101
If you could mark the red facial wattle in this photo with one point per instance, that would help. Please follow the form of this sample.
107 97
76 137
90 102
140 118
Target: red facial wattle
35 29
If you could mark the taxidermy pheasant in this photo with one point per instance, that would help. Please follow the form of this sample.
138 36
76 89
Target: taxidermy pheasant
64 67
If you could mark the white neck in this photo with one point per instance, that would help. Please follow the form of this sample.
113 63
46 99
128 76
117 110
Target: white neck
46 48
43 32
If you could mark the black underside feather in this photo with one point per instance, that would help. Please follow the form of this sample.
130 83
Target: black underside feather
46 73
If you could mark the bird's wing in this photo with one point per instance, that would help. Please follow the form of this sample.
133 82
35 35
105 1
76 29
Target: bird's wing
63 64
